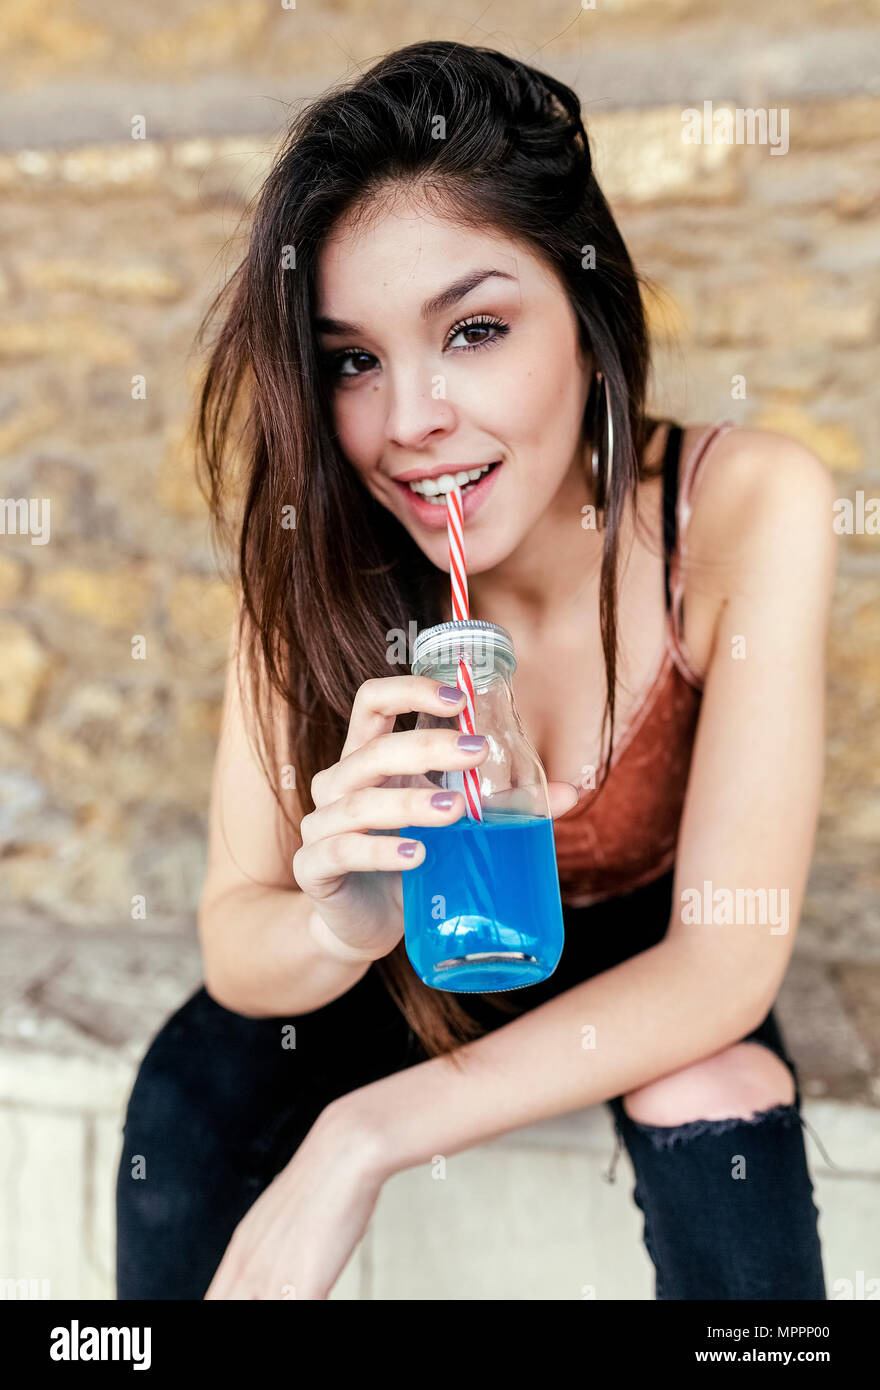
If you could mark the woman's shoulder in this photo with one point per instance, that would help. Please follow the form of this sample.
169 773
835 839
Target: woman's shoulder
755 486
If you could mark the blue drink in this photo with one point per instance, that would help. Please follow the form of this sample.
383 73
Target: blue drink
482 912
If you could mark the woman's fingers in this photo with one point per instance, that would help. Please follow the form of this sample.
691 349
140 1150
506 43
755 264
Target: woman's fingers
355 808
380 808
409 751
563 796
319 869
378 702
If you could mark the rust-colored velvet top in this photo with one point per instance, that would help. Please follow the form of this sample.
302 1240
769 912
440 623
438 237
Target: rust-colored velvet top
625 835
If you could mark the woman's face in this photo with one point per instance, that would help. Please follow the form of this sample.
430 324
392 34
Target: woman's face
490 372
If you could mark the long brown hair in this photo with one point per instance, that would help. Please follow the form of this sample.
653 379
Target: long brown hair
326 573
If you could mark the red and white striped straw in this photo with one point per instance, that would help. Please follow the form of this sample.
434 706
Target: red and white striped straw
460 610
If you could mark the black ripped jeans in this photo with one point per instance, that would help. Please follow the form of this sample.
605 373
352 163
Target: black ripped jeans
219 1106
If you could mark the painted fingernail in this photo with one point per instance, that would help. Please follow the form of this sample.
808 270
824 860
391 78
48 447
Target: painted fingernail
449 693
443 800
409 848
471 743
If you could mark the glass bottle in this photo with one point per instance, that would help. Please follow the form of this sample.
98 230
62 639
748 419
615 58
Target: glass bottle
483 912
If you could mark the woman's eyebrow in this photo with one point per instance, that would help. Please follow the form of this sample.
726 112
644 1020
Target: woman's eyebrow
435 305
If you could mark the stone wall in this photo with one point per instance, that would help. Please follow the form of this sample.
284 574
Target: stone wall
765 268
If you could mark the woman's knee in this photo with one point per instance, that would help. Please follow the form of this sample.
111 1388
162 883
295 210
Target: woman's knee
742 1080
206 1084
193 1139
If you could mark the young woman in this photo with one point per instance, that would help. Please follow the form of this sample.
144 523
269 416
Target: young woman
434 283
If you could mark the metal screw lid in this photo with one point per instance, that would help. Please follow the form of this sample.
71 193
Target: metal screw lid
460 637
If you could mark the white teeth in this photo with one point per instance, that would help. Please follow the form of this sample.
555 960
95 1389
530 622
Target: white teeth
431 488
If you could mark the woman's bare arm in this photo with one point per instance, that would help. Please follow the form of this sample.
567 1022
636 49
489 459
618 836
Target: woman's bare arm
260 958
748 824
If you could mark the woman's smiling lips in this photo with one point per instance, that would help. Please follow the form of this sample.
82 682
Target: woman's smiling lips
433 514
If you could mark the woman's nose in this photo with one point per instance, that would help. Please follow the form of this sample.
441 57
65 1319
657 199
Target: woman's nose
417 407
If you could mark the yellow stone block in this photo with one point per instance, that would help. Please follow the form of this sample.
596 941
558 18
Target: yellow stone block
71 337
49 38
833 442
139 281
176 487
32 419
130 165
669 319
208 36
201 610
24 671
11 578
828 124
640 157
783 308
200 718
119 598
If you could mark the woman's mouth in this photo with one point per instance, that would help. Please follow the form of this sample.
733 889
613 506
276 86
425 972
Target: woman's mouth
427 496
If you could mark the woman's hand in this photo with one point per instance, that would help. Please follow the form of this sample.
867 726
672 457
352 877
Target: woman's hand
299 1235
352 876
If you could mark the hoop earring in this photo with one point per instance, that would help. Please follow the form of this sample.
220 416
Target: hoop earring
603 491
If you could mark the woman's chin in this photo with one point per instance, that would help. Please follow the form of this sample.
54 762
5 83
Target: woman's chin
482 552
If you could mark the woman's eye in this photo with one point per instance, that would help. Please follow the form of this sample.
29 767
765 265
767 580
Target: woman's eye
478 331
475 330
336 359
